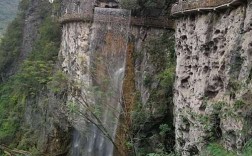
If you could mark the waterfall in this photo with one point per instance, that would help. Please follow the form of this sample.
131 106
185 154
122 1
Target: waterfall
95 129
108 50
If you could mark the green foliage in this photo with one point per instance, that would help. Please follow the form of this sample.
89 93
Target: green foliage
162 57
11 108
218 105
238 104
147 80
140 116
155 115
34 75
234 85
161 50
47 47
11 42
129 144
35 152
72 107
58 83
164 128
215 149
247 149
167 77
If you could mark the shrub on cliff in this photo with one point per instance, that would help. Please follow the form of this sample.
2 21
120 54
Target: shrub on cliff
34 75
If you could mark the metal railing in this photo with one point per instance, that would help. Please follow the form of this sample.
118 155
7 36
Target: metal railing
191 5
159 22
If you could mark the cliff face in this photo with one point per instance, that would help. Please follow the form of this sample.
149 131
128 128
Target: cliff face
153 64
213 79
90 52
33 16
34 121
44 116
79 59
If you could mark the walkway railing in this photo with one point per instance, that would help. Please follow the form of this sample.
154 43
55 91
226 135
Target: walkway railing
199 5
159 22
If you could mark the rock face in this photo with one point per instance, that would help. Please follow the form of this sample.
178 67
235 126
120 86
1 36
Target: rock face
74 50
143 65
76 55
213 77
147 83
75 58
32 21
45 123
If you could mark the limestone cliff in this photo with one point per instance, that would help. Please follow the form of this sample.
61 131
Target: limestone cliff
152 55
44 98
212 95
83 68
34 121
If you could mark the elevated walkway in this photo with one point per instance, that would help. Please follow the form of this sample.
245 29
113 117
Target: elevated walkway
191 6
76 17
160 22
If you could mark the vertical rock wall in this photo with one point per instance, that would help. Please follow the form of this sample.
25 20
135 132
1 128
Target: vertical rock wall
147 85
45 123
74 50
143 65
75 59
32 21
213 75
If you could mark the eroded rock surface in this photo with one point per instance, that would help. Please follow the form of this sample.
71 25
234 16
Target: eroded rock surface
213 67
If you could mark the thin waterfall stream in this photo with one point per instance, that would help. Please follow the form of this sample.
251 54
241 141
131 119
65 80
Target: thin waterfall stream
107 52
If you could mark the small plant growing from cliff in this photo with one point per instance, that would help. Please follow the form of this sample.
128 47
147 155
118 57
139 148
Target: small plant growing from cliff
218 106
234 87
238 104
247 149
129 144
216 149
164 128
33 76
147 80
58 83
